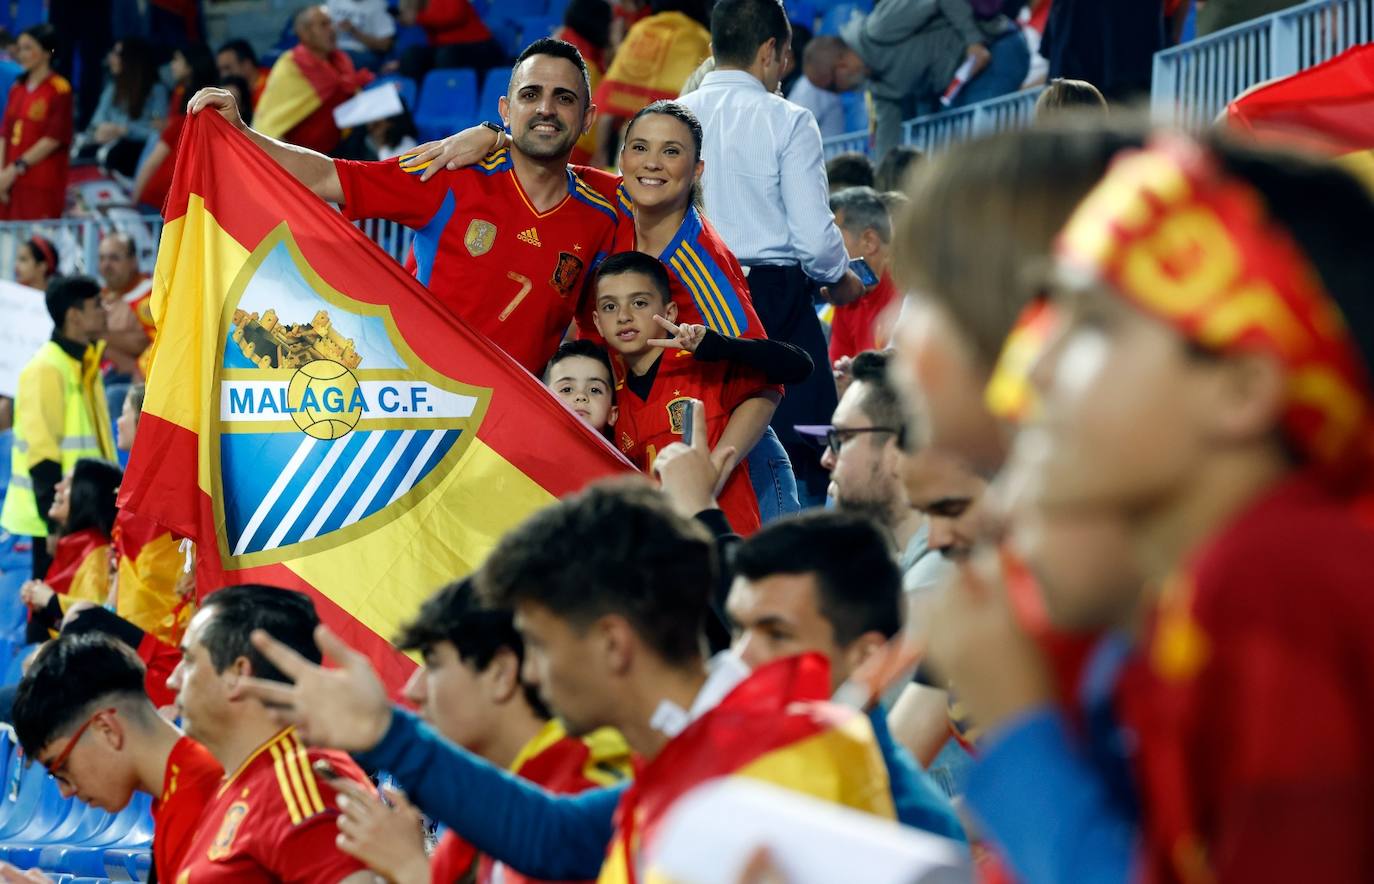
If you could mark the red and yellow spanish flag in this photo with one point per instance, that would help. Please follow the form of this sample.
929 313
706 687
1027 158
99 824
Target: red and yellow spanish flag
316 419
775 726
1328 109
657 57
298 100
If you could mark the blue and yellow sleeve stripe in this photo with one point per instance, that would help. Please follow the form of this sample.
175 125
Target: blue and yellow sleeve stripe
711 290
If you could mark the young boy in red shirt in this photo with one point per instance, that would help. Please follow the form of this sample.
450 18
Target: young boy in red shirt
736 379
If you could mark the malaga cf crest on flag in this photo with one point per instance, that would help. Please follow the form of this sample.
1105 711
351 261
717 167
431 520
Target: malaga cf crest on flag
315 419
328 424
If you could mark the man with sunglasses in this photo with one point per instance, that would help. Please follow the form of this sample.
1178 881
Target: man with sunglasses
81 712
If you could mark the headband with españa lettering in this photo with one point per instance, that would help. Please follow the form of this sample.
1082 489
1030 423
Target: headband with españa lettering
1174 236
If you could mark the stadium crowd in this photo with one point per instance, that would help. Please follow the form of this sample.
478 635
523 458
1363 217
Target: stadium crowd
1012 504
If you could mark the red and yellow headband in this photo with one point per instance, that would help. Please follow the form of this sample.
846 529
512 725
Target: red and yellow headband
1175 237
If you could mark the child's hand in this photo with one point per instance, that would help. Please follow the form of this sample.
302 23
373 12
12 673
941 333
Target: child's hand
684 337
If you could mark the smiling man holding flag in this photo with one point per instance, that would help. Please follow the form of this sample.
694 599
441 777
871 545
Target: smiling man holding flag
315 419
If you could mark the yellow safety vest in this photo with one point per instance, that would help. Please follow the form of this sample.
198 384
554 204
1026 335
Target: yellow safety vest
85 431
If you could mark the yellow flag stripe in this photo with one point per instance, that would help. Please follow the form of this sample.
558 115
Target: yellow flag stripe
287 99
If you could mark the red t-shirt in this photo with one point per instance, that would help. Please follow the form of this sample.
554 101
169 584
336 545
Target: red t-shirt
451 21
515 275
273 820
45 111
855 326
644 427
160 181
188 785
1251 700
706 281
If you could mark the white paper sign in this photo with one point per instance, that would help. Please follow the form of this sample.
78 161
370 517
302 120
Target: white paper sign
24 327
709 836
378 103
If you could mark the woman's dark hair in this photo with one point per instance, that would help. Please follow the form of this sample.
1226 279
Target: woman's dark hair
202 65
94 486
43 34
239 84
42 249
398 127
590 20
137 75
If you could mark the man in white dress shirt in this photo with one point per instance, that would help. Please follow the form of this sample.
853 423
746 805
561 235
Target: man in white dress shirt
765 191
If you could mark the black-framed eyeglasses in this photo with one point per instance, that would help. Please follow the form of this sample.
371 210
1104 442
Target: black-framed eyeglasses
835 437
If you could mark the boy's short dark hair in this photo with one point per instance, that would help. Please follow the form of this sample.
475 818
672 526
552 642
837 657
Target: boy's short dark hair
1065 95
242 49
68 678
615 548
740 27
638 262
849 170
585 348
857 581
286 615
66 292
558 49
456 615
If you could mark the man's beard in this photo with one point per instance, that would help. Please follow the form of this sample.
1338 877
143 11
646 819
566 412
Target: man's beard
533 146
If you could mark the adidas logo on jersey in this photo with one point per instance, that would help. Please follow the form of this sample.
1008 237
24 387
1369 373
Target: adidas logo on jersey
530 236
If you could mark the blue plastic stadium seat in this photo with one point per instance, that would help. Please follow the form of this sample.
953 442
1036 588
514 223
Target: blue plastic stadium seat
801 12
540 26
448 102
405 85
493 89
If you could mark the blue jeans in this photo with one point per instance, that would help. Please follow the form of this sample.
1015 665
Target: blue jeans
770 472
1003 75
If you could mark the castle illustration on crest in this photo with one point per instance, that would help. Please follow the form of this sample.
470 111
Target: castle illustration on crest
270 343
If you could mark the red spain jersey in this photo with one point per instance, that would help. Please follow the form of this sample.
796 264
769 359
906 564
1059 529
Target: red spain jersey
273 820
516 275
189 784
644 426
31 114
707 283
864 324
561 764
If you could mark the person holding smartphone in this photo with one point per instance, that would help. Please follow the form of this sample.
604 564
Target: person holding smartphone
865 324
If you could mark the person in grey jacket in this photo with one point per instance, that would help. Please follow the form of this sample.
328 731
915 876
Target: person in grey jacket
910 50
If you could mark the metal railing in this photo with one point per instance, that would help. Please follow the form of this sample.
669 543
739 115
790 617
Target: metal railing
1194 82
77 240
934 132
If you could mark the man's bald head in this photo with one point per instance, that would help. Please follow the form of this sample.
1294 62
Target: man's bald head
315 29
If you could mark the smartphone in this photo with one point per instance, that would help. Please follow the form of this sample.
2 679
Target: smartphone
326 770
689 412
864 272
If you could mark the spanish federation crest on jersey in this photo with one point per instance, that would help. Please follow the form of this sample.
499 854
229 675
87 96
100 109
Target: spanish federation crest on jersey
329 426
